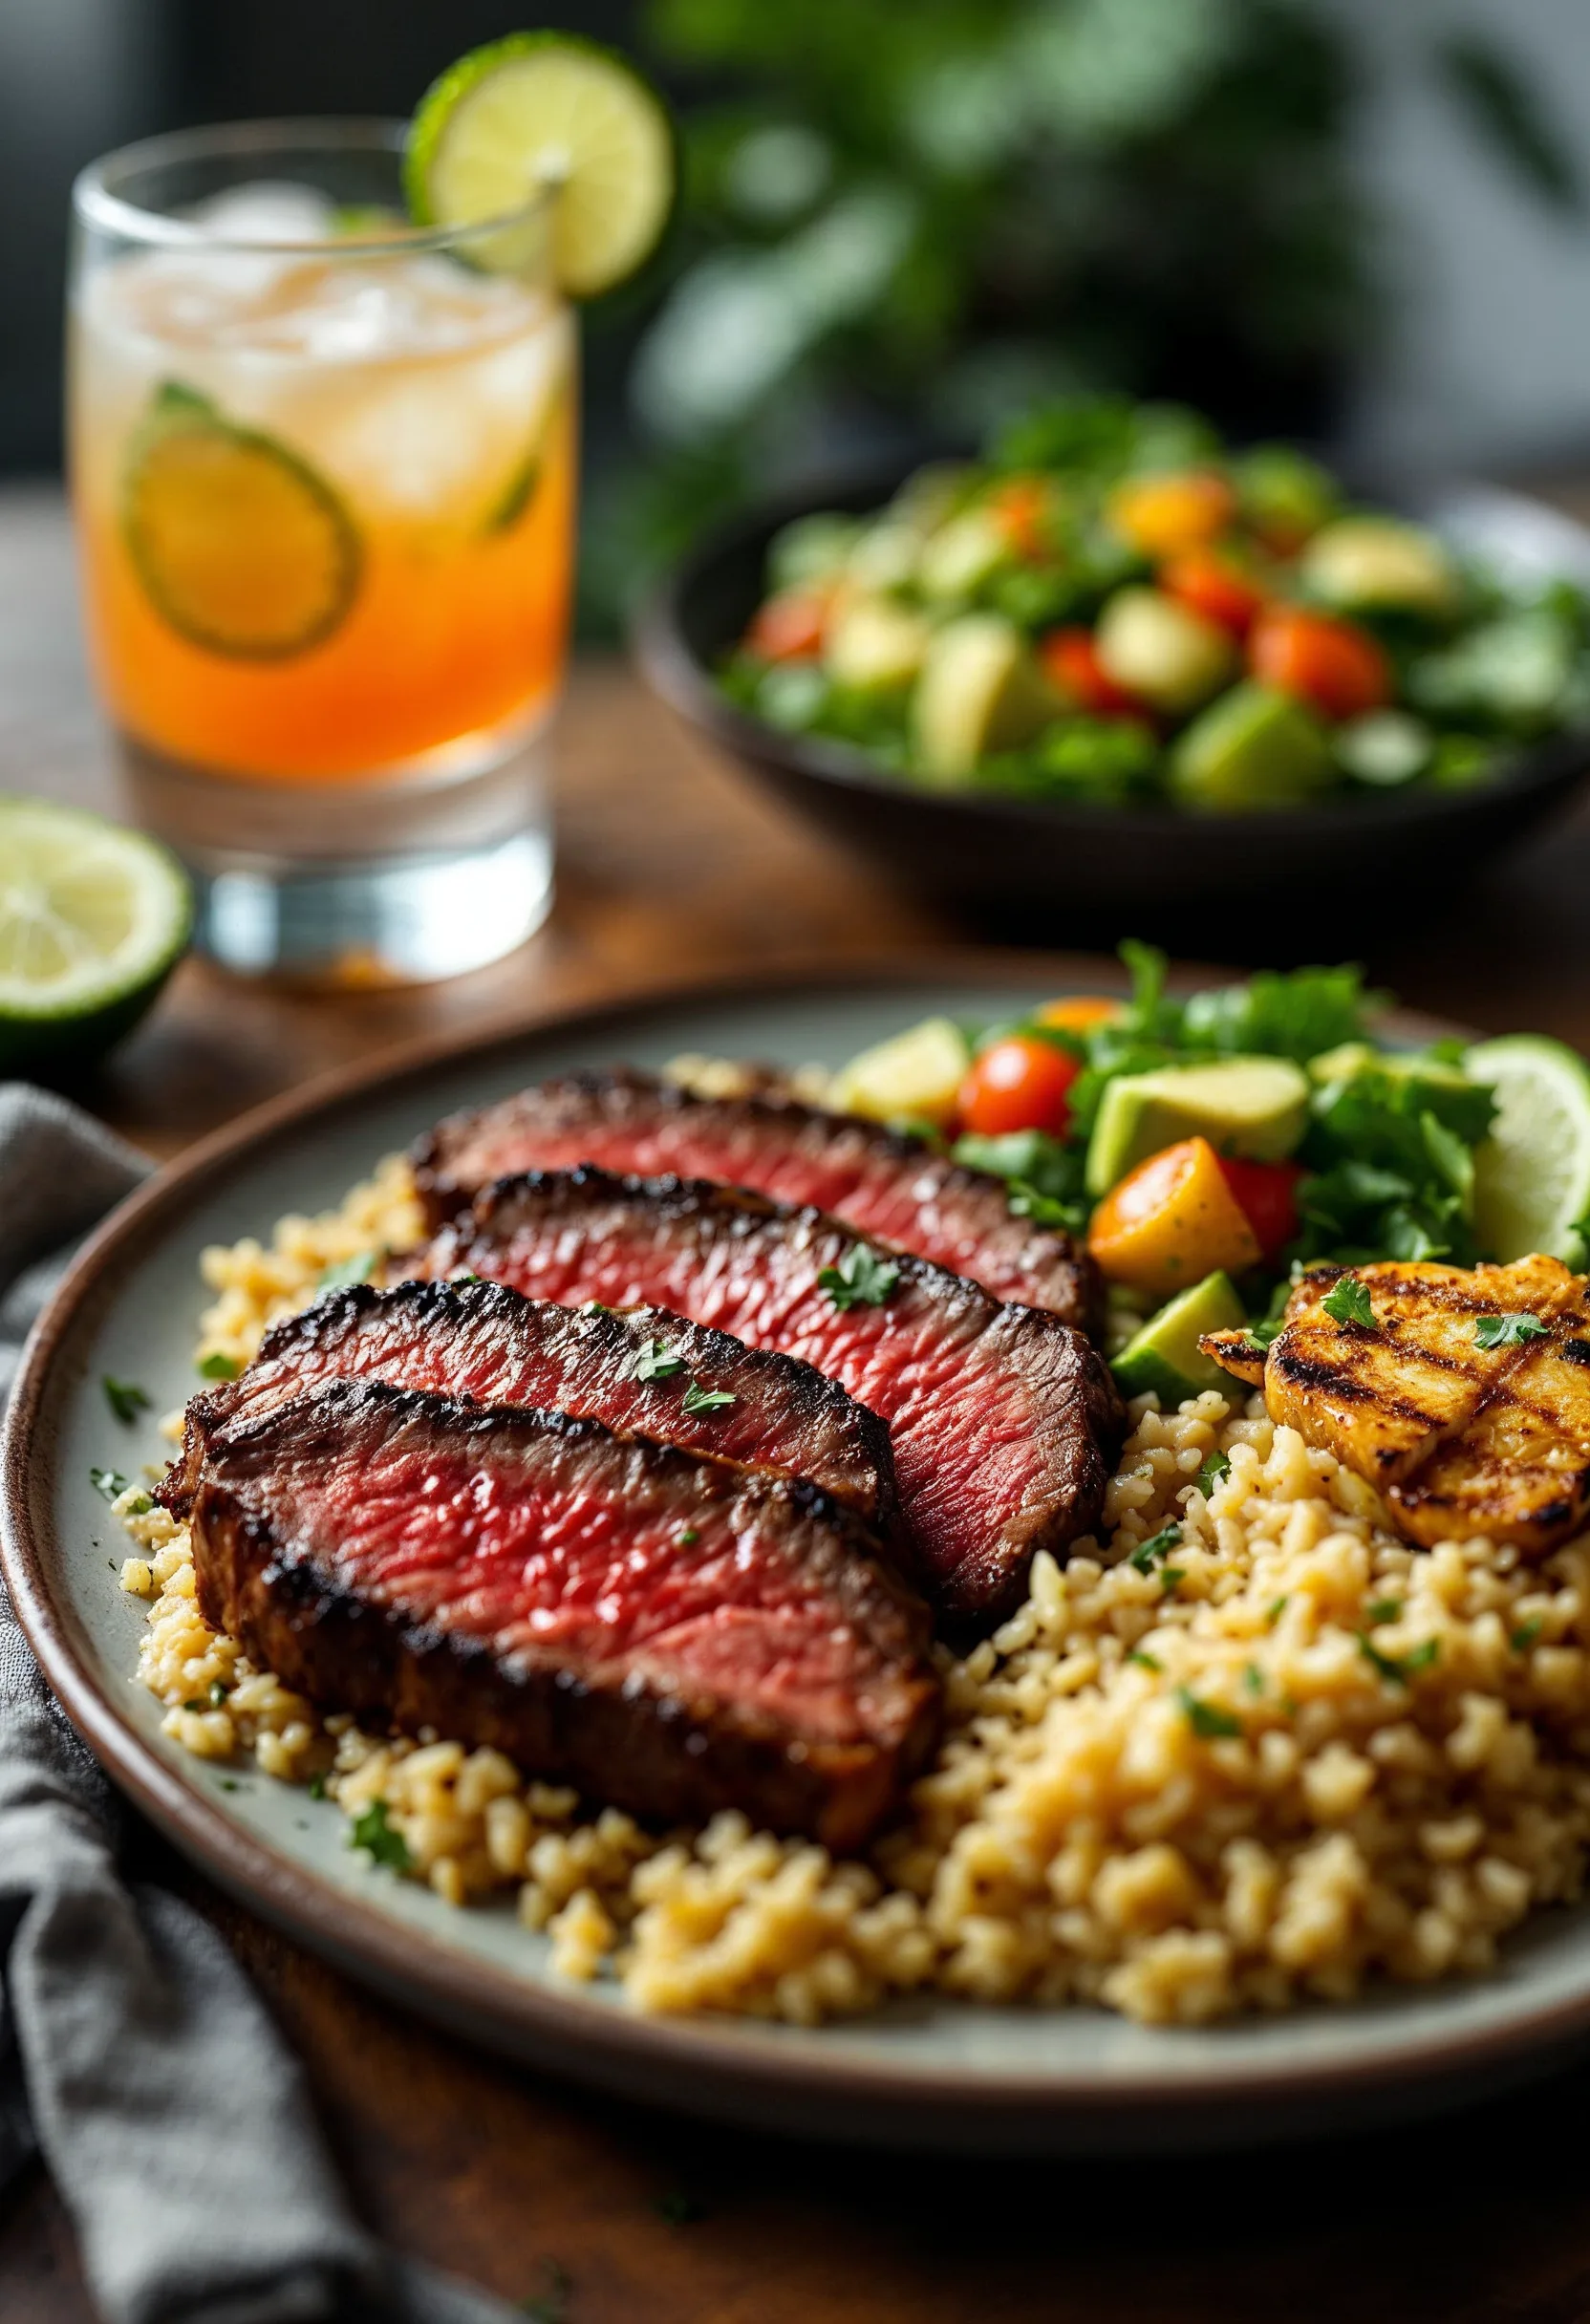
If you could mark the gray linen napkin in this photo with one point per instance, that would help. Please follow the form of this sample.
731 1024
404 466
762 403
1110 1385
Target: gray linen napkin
134 2054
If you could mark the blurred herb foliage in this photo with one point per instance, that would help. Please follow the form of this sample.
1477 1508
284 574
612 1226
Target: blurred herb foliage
905 218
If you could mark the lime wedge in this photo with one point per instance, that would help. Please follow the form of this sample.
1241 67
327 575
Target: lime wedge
241 547
93 919
549 109
1532 1175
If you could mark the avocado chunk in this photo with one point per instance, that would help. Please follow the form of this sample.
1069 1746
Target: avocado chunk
876 646
1165 1355
980 690
1161 651
1255 1107
962 555
1255 747
1364 564
916 1075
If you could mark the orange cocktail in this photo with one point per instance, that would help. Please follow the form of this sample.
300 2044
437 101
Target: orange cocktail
324 474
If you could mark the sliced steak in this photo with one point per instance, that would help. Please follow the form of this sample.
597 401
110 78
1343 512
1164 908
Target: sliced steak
889 1187
483 1342
1003 1419
669 1633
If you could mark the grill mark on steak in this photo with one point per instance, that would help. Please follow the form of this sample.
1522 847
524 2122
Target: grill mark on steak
668 1632
1005 1421
892 1188
483 1342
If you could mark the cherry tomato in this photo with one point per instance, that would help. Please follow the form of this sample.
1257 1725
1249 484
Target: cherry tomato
1020 1083
789 627
1071 659
1334 667
1020 508
1266 1195
1163 515
1080 1012
1212 583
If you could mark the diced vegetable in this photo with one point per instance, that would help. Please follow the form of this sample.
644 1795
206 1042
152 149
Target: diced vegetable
1163 515
1020 1083
1080 1012
812 548
1172 1222
1023 508
917 1074
1268 1194
957 559
873 643
1214 584
1252 748
1252 1106
980 691
1070 658
1335 667
1161 651
1370 563
1383 749
885 557
1165 1355
789 628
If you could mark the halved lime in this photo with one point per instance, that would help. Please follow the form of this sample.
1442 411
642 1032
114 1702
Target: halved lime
549 109
242 546
93 919
1532 1175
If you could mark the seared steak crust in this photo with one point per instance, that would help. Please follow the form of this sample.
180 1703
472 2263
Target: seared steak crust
483 1342
669 1633
1004 1420
892 1188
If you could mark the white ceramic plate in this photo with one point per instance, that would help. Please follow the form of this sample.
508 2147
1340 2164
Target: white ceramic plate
929 2071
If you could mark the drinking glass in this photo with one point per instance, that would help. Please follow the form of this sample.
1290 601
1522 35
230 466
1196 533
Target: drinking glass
323 475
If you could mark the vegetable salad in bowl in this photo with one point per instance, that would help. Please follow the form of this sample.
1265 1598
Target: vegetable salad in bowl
1209 1148
1113 606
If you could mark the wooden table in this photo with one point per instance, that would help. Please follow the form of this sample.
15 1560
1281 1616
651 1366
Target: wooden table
671 867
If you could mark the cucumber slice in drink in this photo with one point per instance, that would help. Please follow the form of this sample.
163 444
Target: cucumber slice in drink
1532 1175
241 547
93 919
548 109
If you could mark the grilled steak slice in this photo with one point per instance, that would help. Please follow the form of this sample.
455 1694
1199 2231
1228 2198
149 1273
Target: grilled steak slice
669 1633
892 1188
482 1341
1003 1419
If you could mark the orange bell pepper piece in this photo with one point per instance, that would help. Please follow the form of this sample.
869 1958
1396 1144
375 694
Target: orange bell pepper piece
1165 515
1079 1012
1172 1222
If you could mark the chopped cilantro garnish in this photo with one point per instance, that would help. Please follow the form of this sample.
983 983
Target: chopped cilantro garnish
218 1692
656 1360
1526 1634
1145 1662
317 1787
109 1483
125 1398
689 1538
138 1506
1382 1609
1347 1302
358 1269
699 1399
231 1783
1157 1545
374 1832
861 1280
218 1367
1395 1668
1171 1579
1509 1330
1215 1469
196 1702
1253 1678
1207 1719
1274 1611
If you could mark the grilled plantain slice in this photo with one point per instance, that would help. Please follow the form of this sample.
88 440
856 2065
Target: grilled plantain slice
1463 1437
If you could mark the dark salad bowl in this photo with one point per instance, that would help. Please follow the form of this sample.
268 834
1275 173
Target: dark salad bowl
1098 869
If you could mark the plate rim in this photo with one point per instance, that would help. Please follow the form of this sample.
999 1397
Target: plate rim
694 2059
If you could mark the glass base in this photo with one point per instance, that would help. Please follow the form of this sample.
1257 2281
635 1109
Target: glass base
289 886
